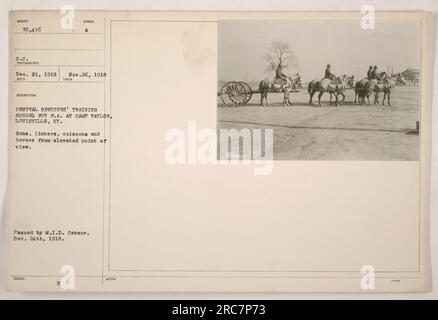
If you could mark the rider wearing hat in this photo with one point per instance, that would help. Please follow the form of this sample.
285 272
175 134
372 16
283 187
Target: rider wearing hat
279 72
369 73
375 74
328 74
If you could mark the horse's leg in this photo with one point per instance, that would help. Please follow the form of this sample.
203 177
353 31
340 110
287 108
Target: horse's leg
285 98
368 98
336 101
358 96
389 97
265 98
331 103
288 98
384 98
319 97
312 93
261 98
343 97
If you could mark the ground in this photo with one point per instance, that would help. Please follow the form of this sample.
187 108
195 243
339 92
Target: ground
347 132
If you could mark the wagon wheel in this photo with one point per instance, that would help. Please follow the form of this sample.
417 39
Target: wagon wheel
248 91
234 94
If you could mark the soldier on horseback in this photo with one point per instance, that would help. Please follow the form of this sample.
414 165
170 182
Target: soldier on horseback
279 75
375 75
369 73
328 74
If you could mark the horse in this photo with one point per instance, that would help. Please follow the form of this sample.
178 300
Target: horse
363 86
349 83
399 80
373 86
270 85
388 85
359 90
326 85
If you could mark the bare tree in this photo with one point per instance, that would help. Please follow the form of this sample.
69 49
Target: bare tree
280 54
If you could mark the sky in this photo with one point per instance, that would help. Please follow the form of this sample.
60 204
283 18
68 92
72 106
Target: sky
242 46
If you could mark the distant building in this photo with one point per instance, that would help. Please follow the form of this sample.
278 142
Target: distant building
412 76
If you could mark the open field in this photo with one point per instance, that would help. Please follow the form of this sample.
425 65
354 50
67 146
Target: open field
347 132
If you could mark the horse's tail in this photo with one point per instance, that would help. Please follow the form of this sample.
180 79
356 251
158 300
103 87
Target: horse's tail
309 87
262 85
357 85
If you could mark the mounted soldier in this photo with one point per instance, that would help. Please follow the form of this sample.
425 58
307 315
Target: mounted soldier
375 75
369 73
279 75
328 74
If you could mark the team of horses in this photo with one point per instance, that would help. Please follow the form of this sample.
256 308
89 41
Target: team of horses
364 88
335 87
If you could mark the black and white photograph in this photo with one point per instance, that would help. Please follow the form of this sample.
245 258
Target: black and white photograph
329 90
